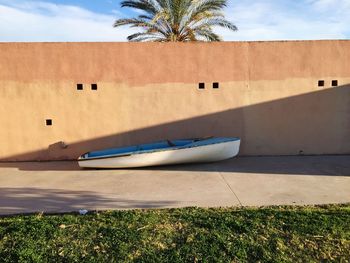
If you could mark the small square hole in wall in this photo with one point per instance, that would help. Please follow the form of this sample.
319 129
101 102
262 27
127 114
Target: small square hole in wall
79 86
321 83
48 122
201 85
334 83
93 86
215 85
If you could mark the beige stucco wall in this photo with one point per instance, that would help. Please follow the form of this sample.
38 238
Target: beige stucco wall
268 96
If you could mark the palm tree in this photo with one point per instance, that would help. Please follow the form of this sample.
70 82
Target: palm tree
176 20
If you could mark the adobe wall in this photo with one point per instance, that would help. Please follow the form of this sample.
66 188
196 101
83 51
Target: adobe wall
268 95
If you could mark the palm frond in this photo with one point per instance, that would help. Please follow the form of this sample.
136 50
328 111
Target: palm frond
198 7
214 21
145 17
146 35
208 35
140 6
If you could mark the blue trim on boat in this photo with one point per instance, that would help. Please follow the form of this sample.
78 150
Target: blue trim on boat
154 147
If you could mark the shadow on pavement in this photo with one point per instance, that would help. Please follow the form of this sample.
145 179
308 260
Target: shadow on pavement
24 200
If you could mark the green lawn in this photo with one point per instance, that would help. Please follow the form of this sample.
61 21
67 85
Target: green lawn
272 234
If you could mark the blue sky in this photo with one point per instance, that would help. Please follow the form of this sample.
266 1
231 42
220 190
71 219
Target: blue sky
91 20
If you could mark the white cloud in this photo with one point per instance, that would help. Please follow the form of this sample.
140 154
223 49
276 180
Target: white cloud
25 20
340 6
287 20
42 21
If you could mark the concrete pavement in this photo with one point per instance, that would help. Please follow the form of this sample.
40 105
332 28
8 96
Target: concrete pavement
248 181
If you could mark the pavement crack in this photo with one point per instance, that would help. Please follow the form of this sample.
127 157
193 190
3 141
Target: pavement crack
228 185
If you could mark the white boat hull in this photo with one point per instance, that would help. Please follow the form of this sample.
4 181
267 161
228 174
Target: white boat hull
206 153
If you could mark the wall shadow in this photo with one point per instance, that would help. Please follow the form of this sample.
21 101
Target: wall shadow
327 165
312 123
322 165
31 200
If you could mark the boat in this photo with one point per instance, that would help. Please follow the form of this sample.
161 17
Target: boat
165 152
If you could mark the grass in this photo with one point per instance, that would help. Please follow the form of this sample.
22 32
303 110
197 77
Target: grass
272 234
